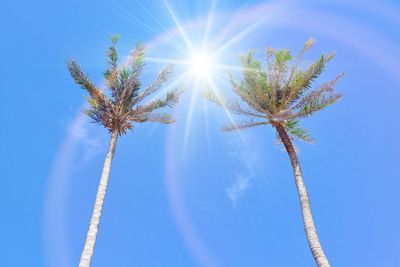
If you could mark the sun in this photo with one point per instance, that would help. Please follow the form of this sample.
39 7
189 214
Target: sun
202 65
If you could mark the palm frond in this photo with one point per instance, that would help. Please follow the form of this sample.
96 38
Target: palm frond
127 89
129 78
282 57
294 69
248 95
256 91
93 114
111 73
294 129
318 99
242 125
99 109
251 69
303 79
278 74
169 101
82 79
317 103
162 77
136 61
154 117
232 106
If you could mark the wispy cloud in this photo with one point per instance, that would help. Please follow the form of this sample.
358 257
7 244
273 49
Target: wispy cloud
91 141
238 188
246 158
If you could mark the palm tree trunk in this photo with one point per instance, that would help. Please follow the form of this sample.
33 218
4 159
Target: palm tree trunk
87 252
308 221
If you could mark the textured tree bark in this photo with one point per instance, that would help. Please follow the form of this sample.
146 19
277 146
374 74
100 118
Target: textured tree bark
87 252
308 221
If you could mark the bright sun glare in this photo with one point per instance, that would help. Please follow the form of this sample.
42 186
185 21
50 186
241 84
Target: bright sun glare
201 66
200 56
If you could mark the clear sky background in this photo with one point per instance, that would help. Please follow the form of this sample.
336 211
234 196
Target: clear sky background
189 195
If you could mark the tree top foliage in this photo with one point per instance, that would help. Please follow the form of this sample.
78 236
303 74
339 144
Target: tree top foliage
122 107
281 93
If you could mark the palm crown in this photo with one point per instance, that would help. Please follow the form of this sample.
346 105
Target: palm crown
281 93
124 107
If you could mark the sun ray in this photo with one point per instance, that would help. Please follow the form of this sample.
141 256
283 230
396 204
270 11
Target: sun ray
148 13
167 60
210 20
206 124
272 17
126 15
184 35
228 67
189 118
173 85
214 87
239 36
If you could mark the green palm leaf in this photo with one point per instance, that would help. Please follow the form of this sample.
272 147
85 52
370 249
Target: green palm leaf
294 129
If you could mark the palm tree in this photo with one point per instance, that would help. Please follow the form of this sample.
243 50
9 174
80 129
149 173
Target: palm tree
281 95
118 113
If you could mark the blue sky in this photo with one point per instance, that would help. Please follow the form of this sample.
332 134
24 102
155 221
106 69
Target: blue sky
188 194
